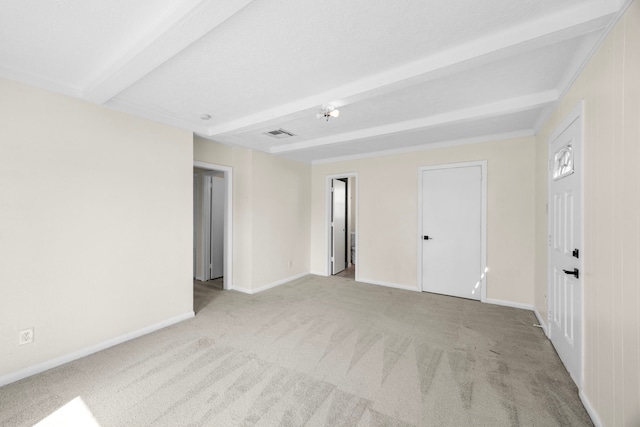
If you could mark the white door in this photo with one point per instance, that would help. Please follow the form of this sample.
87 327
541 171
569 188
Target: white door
565 248
217 226
452 231
195 225
338 225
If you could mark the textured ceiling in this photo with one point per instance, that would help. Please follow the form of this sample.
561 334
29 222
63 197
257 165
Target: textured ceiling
405 75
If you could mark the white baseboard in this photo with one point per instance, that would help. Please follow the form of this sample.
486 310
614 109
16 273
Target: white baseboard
319 273
509 304
69 357
270 285
541 321
592 412
389 285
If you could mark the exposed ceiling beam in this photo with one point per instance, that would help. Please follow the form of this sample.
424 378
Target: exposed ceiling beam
185 24
583 19
422 147
507 106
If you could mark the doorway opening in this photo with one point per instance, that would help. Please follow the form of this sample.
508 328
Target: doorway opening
212 224
341 225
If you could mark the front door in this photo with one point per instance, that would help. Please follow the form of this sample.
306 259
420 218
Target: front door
338 225
565 248
452 231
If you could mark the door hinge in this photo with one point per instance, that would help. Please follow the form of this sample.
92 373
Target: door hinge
550 164
549 243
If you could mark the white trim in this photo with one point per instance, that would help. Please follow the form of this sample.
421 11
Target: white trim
431 146
483 220
228 219
319 273
194 231
278 282
541 321
577 113
39 81
270 285
509 304
205 225
571 117
70 357
327 220
389 285
585 247
156 116
595 418
208 178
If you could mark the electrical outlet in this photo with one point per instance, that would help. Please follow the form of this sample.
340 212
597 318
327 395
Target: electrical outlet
25 336
290 263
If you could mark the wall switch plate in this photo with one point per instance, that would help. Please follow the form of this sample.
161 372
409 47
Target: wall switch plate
25 336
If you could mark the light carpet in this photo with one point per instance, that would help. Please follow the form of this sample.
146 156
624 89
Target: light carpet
318 351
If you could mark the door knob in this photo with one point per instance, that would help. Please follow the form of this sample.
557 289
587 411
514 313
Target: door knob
575 272
427 238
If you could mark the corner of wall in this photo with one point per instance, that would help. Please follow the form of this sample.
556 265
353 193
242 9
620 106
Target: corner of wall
540 227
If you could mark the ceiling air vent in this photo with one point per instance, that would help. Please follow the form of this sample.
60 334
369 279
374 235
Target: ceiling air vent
279 133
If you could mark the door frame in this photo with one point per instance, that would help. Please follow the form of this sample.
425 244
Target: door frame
577 113
483 220
195 198
208 220
228 219
327 219
334 232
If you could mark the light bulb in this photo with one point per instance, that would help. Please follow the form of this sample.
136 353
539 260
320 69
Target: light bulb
334 113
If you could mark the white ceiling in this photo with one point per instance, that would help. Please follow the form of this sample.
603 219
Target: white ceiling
404 75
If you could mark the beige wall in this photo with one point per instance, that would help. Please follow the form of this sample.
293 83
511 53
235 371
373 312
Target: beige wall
388 215
610 87
240 160
95 224
271 210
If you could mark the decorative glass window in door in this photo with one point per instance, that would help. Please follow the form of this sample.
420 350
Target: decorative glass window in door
563 162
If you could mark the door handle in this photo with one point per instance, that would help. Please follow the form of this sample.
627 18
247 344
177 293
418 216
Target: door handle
427 238
575 272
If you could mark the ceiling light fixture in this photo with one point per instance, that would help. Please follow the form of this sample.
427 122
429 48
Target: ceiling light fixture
327 111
